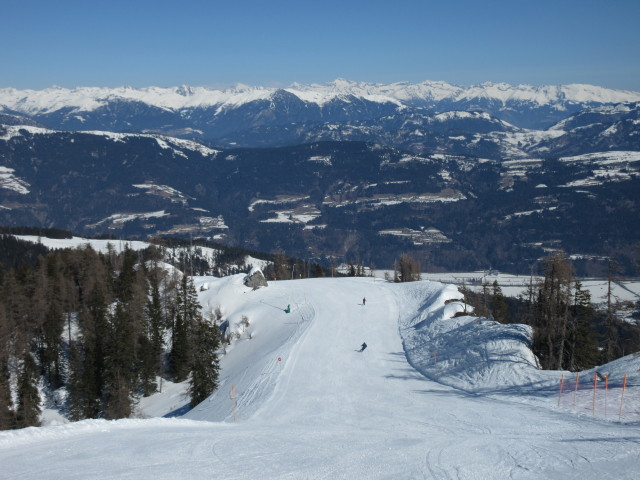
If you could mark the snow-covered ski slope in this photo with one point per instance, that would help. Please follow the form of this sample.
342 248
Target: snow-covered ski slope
307 405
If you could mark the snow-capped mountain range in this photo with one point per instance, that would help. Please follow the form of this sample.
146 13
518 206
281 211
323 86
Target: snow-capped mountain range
247 116
85 99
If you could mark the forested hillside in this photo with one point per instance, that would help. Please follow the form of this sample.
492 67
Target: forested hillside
92 332
96 331
350 201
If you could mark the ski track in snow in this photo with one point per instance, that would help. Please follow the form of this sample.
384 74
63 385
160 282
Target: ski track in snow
325 411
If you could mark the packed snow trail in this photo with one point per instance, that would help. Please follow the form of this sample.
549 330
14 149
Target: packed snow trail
326 411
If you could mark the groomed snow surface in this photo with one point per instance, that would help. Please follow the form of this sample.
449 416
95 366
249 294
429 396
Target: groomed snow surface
432 397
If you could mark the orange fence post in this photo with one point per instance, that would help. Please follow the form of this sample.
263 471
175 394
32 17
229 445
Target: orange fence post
606 390
595 387
233 401
576 389
624 386
560 389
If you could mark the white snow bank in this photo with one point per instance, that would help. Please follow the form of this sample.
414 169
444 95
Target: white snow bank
469 353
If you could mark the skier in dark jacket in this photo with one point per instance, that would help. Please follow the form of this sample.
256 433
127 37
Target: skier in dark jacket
363 346
364 301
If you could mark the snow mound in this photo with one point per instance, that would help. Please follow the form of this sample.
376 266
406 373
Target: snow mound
466 352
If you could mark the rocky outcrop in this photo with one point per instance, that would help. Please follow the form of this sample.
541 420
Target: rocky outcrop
255 279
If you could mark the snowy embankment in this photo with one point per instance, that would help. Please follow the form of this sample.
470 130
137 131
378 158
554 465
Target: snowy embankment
469 353
484 357
296 400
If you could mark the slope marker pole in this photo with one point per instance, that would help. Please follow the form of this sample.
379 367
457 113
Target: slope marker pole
624 386
595 387
560 389
576 389
233 401
606 390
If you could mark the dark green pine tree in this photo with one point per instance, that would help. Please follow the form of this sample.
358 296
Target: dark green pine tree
179 359
51 344
205 367
146 365
87 363
183 322
499 304
28 409
83 401
150 341
156 318
195 344
127 278
50 351
119 364
6 413
583 350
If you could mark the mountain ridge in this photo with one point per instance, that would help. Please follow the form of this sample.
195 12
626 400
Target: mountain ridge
247 116
182 97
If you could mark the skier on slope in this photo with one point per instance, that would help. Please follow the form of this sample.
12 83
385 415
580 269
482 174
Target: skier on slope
363 346
364 301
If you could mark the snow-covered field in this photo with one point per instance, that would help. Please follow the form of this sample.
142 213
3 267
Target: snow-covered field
516 285
433 396
79 242
118 246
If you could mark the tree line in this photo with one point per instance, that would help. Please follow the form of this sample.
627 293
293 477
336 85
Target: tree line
569 332
101 330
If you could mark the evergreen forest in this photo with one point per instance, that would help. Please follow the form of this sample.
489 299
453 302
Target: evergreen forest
99 330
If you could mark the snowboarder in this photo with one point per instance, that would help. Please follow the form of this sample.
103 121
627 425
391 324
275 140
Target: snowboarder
363 346
364 301
288 309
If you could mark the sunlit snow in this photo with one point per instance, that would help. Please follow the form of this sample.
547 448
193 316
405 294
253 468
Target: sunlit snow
435 395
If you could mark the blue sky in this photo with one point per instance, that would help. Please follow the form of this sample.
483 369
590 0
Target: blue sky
274 43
